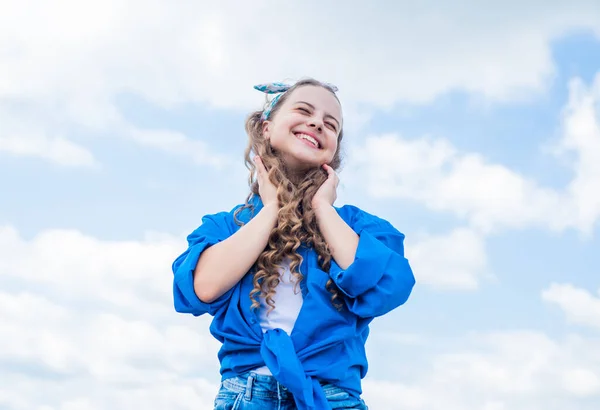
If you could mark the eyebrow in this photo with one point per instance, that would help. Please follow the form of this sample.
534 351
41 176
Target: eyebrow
313 107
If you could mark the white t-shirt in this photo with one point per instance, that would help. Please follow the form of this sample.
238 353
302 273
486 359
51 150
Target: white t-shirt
288 302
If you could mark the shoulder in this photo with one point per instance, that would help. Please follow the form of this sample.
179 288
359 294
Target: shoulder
352 214
359 219
222 223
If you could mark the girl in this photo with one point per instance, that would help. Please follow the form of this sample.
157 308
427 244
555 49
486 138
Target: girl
292 281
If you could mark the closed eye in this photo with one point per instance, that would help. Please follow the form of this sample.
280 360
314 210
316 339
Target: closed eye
332 126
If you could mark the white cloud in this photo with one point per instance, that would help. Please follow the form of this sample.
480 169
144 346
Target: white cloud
179 144
21 137
581 382
91 321
73 59
119 273
136 48
92 325
520 370
431 171
457 260
582 137
491 196
380 394
58 150
578 304
83 394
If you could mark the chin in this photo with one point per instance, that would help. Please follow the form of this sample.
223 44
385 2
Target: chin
308 163
302 165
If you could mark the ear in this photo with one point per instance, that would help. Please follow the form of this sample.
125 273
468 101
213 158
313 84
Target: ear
266 129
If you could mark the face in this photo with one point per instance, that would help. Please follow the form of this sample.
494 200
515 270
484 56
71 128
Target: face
305 128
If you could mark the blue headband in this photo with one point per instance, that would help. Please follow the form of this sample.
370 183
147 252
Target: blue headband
279 89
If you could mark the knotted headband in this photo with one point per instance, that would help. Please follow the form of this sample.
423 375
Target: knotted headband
280 89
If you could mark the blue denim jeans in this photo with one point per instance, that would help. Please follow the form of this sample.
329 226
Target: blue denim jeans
253 391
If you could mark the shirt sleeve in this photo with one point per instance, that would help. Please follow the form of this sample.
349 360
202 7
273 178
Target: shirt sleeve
214 229
380 278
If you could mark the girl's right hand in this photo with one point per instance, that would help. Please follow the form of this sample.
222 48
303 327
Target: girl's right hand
266 189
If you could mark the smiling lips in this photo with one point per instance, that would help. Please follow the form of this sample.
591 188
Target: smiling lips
311 141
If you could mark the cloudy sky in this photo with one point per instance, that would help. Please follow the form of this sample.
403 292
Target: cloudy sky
474 129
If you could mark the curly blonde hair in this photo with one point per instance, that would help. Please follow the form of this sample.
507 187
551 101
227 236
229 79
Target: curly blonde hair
296 220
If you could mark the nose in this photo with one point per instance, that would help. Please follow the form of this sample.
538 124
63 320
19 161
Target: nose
316 123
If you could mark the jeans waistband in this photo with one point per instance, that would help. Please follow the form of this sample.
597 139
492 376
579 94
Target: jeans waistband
259 385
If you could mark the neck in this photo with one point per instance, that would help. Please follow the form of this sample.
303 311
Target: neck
296 176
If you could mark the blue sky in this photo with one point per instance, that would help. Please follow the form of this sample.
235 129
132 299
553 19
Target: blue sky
481 143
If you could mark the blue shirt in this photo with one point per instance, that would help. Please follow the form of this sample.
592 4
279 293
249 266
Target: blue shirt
326 344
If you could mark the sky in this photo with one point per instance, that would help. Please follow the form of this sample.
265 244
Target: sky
474 128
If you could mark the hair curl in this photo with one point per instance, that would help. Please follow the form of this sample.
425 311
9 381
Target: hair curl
296 220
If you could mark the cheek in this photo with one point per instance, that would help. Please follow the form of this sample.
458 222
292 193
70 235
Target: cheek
279 136
333 143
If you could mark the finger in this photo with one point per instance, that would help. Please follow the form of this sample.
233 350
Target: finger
331 174
258 169
260 166
334 176
330 171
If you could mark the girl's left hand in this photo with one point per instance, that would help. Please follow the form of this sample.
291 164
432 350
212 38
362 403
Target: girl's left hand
327 193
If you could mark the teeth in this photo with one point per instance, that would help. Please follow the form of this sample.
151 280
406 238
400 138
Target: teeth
309 139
